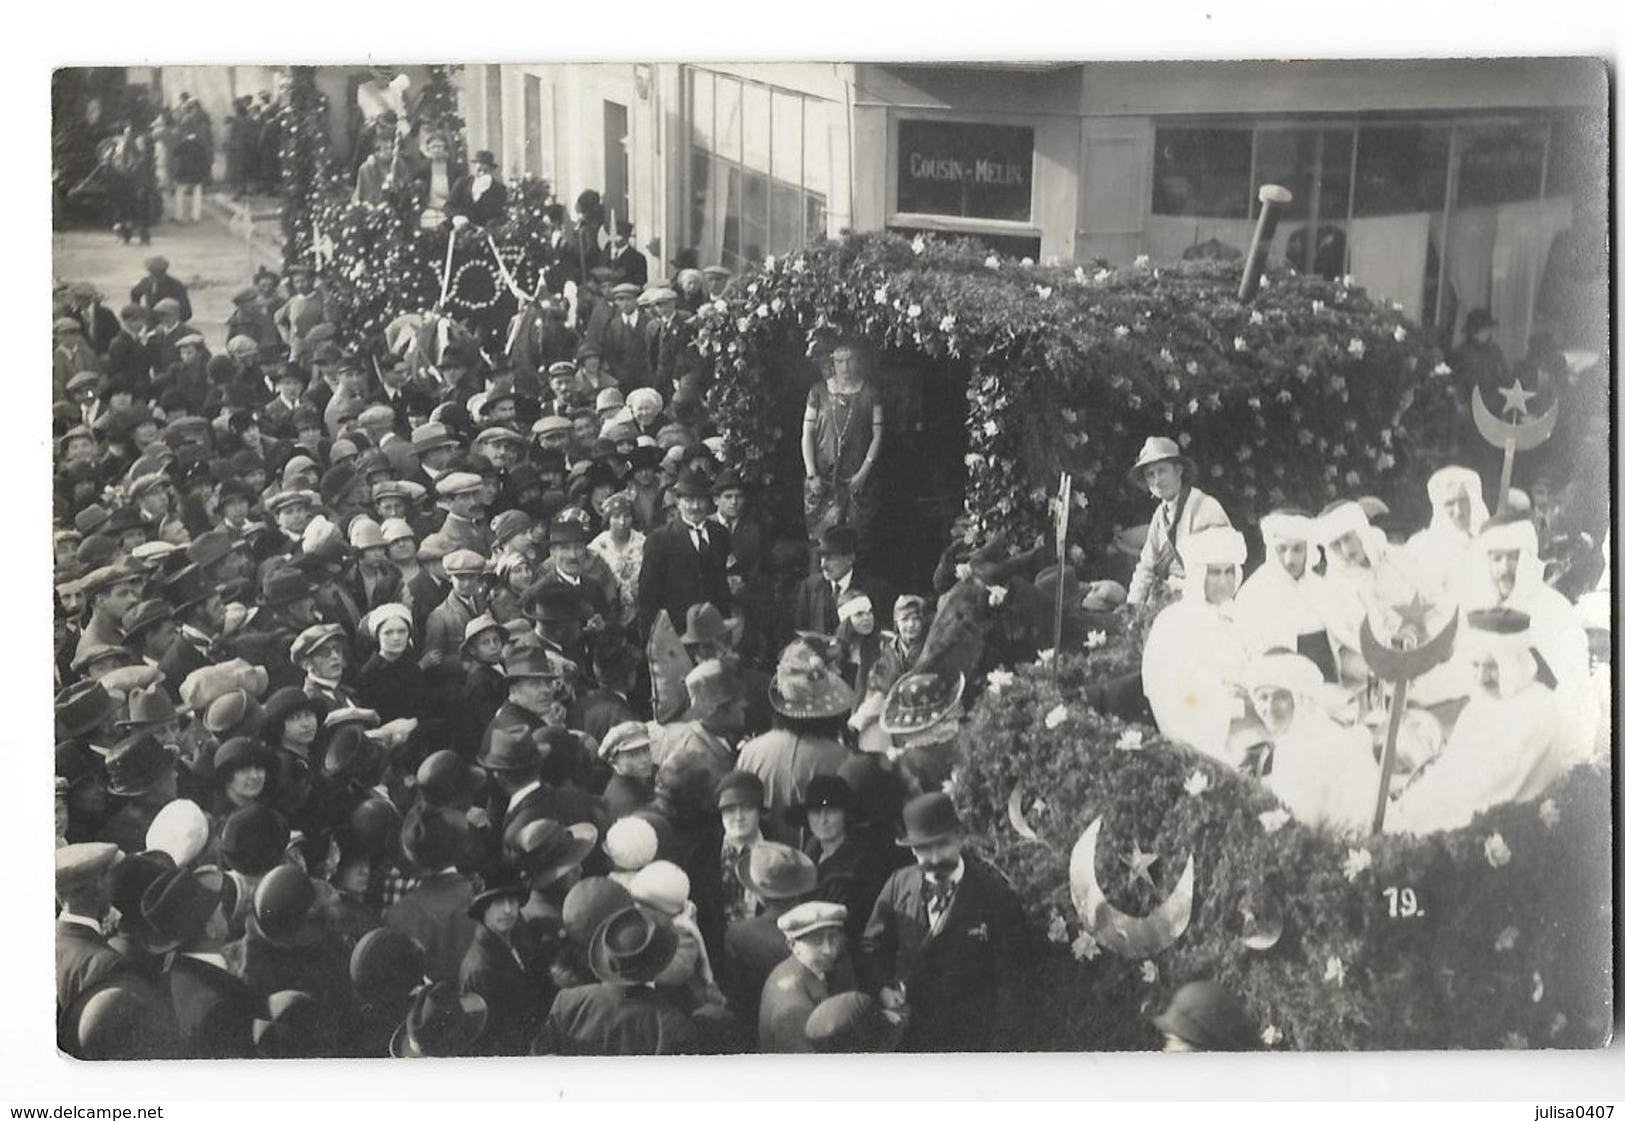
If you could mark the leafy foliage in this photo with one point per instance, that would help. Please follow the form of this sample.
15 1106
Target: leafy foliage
1501 952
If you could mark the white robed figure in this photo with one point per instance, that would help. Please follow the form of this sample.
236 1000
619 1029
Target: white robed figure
1194 661
1354 551
1322 771
1279 606
1441 552
1511 742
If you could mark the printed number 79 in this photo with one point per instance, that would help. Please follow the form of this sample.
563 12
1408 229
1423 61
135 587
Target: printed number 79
1402 903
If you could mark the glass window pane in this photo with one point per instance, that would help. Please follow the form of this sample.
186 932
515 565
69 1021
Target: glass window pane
728 110
786 231
815 147
700 196
786 139
758 120
1313 164
702 107
817 223
1500 163
753 230
1401 170
1203 172
730 221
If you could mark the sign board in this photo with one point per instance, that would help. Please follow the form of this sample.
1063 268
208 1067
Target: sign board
965 170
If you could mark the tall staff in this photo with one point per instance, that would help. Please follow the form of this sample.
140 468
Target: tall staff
1063 515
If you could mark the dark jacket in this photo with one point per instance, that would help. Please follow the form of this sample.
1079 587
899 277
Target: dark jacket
436 914
83 960
966 982
214 1011
489 208
611 1020
675 576
515 984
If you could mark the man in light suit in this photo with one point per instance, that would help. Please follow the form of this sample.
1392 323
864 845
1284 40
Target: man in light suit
1182 511
685 561
947 947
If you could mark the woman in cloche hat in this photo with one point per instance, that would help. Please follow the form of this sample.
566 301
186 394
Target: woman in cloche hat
1182 510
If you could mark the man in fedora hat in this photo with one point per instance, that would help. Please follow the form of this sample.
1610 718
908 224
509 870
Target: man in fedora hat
695 752
818 967
149 630
141 770
818 594
199 617
559 613
779 877
84 886
435 911
1182 510
214 1009
624 1013
685 561
947 945
615 668
506 964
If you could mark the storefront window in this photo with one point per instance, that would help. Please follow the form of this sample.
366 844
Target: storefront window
758 168
965 170
1500 164
1401 169
1203 172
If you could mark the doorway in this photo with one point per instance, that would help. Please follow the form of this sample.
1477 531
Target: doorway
617 159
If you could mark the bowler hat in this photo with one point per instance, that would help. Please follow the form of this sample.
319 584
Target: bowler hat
486 157
1159 449
137 764
1209 1016
376 823
631 947
188 588
824 790
386 965
1478 319
177 907
566 531
502 882
283 902
838 541
444 779
692 483
442 1022
929 818
773 871
131 878
253 840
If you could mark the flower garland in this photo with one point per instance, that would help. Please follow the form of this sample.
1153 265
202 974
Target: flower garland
1314 391
305 160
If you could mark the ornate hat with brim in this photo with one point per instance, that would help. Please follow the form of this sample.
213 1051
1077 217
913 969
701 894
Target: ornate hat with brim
806 686
919 701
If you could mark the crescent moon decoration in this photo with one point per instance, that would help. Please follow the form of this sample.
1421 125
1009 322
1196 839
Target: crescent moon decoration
1018 820
1260 932
1123 934
1400 666
1511 439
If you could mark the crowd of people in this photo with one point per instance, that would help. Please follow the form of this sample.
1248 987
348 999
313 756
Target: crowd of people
424 698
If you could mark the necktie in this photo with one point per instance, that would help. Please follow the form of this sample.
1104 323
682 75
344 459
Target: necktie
938 894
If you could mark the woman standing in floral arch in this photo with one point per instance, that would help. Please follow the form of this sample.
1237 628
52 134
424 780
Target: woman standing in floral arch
841 434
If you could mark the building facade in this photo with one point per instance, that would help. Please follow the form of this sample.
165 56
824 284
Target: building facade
1443 184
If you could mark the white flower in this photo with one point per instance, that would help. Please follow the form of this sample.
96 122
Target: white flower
1197 784
1026 262
763 311
1514 1041
1055 717
1046 656
882 296
991 428
1271 1035
1094 639
1057 929
1357 347
992 261
1184 439
1256 319
1239 343
800 265
961 572
1506 940
1334 971
947 323
770 263
1357 861
1399 333
1077 274
1142 260
1120 331
743 324
1148 972
1044 293
1442 370
996 594
1084 947
1496 851
918 244
1038 808
1316 307
1272 820
1285 397
1539 989
1348 280
720 305
998 679
1549 815
1264 281
914 311
1132 739
777 304
1193 407
1385 461
1102 275
1559 1022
